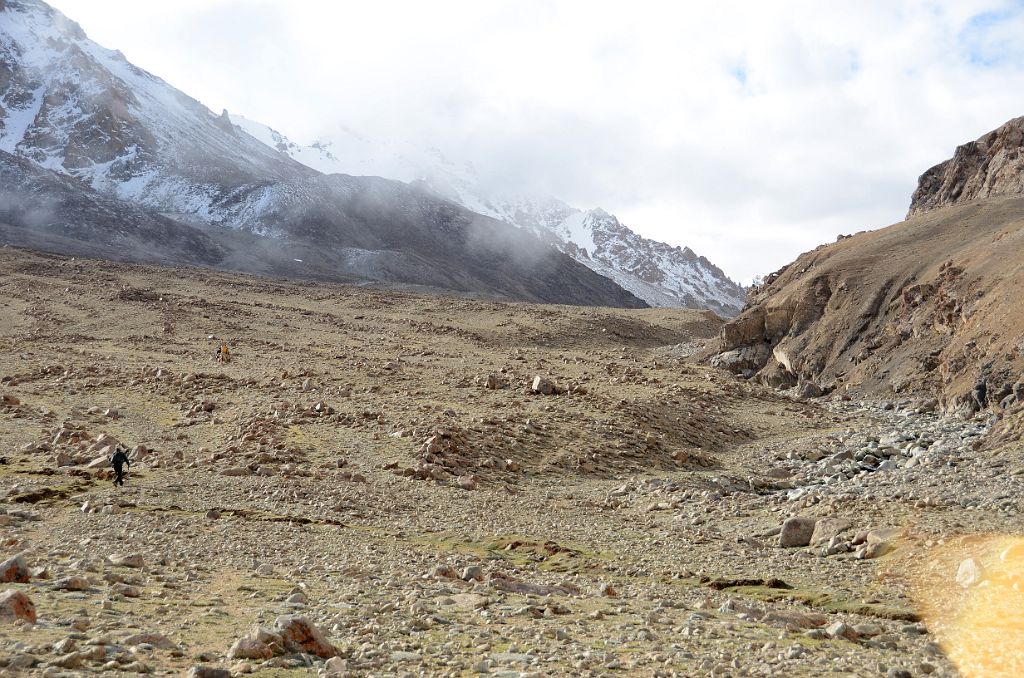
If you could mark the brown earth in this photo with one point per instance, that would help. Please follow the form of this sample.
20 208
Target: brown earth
930 307
352 464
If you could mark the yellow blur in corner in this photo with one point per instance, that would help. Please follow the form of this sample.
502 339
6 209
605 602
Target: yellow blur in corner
978 615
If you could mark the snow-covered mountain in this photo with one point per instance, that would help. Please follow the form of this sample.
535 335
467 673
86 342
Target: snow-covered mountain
77 110
658 273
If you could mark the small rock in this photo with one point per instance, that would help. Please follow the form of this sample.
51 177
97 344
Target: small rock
970 573
157 640
127 560
201 671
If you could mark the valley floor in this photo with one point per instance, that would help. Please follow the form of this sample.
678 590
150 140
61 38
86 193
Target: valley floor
378 464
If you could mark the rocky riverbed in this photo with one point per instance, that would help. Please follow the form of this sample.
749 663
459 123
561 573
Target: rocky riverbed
378 484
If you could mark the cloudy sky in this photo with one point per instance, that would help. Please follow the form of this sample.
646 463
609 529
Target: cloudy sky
750 131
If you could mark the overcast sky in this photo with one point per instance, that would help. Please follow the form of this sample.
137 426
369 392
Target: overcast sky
750 131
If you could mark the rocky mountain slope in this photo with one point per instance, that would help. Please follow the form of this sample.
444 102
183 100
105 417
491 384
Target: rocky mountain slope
658 273
81 111
990 166
930 306
45 210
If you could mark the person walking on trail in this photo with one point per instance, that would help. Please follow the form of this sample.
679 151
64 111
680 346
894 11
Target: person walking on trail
119 461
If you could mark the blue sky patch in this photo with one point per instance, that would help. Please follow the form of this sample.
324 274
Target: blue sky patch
995 39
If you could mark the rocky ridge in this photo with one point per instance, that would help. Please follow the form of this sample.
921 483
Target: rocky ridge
990 166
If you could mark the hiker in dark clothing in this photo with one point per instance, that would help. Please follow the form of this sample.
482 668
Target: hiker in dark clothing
119 460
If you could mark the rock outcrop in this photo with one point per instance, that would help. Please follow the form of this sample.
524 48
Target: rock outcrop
990 166
929 307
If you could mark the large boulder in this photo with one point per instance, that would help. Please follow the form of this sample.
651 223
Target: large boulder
301 635
15 605
250 648
797 531
827 528
14 571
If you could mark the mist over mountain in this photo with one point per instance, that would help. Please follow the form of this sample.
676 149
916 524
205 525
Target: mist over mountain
658 273
81 111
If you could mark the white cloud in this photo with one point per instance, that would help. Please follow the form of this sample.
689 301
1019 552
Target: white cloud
748 131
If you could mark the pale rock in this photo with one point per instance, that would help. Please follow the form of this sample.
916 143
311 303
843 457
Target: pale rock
201 671
828 528
248 648
127 560
970 573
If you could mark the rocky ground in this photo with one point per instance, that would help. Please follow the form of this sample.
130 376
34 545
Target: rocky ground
387 484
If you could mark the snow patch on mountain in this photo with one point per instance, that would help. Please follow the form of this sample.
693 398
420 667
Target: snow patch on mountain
658 273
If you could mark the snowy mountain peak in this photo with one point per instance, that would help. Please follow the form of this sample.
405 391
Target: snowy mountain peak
660 274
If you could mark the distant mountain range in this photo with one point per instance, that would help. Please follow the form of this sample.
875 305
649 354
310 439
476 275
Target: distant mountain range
100 157
658 273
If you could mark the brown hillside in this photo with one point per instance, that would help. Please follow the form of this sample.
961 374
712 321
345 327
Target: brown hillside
929 306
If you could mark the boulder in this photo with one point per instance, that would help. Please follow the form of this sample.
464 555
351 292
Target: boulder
838 629
797 531
543 386
300 635
248 648
827 528
808 389
496 381
72 584
970 573
15 605
14 571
